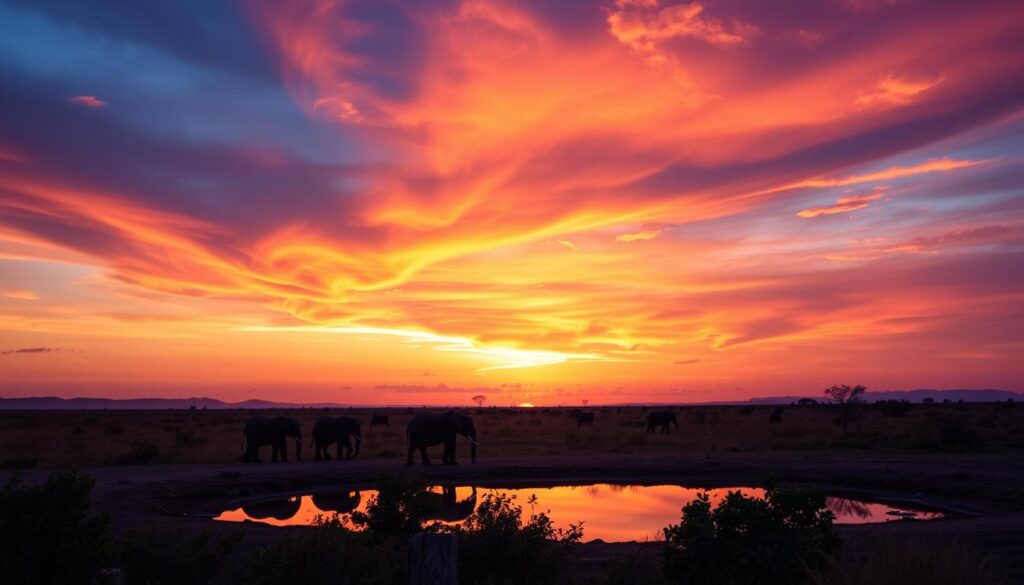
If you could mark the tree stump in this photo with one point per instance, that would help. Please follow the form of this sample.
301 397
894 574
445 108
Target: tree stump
433 559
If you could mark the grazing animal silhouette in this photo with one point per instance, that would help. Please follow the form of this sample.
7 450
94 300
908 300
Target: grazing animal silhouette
425 430
662 419
281 509
261 431
337 502
584 418
328 431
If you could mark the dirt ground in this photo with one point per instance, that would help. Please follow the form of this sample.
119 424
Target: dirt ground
93 438
981 488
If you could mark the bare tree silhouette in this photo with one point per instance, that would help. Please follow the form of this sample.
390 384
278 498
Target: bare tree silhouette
479 399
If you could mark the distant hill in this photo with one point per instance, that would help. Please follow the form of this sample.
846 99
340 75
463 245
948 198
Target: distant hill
55 403
985 395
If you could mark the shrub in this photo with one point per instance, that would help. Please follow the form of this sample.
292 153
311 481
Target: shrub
892 407
327 553
48 536
141 453
167 557
748 540
399 509
952 433
496 546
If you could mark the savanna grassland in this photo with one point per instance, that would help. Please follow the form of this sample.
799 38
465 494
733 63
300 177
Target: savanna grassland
98 438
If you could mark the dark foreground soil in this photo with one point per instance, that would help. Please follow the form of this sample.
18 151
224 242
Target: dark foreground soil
983 494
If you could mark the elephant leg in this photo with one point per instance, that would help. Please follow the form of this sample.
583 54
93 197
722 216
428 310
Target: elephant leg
449 452
411 450
284 451
423 455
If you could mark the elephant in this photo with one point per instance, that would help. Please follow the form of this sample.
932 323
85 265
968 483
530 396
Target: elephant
425 430
337 503
584 418
273 509
776 416
449 509
329 430
661 418
379 419
261 431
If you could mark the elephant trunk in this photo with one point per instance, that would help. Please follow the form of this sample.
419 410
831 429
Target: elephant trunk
298 449
359 441
472 447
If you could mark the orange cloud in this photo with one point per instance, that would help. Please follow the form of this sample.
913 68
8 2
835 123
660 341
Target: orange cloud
23 295
633 237
895 90
643 26
843 205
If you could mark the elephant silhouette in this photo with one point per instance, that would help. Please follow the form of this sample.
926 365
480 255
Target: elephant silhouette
338 502
262 431
281 509
662 419
451 509
425 430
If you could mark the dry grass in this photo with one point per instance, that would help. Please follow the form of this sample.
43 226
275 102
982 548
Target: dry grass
915 563
58 438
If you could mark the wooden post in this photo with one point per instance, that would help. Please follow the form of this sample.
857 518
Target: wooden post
433 559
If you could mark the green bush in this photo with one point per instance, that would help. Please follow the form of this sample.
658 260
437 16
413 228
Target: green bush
47 534
751 541
496 547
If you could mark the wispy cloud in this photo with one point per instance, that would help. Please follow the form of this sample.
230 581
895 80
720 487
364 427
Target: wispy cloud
19 294
30 350
842 205
88 101
636 236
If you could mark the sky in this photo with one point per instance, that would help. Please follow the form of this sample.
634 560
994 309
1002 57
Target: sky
549 202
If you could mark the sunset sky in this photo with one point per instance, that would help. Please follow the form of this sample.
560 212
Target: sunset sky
546 202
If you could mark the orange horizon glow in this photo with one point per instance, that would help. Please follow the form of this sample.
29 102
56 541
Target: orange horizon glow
619 202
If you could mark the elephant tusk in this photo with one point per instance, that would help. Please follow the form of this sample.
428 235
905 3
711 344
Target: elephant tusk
359 439
472 440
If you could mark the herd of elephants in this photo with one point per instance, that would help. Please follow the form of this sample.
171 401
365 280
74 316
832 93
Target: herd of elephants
424 430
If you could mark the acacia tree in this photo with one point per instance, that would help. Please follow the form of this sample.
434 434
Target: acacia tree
479 399
846 397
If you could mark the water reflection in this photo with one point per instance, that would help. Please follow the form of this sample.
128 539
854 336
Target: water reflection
610 512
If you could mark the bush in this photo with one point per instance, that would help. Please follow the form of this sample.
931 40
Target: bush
751 541
167 557
327 553
892 407
47 535
141 453
495 546
953 433
399 509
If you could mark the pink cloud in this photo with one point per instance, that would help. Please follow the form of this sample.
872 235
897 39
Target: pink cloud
89 101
